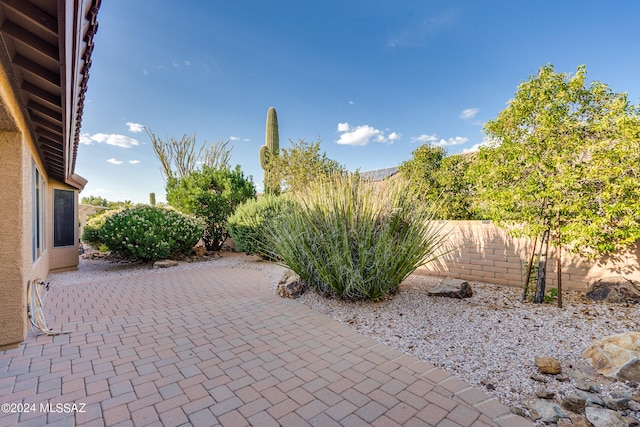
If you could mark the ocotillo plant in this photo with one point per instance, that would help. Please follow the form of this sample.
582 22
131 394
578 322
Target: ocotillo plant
268 150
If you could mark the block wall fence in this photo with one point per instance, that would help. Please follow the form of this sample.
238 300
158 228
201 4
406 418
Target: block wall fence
480 251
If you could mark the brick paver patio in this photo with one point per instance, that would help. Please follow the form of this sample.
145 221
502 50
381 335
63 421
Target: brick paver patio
214 346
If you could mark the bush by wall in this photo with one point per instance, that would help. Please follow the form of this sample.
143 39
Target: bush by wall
348 240
90 234
149 232
249 224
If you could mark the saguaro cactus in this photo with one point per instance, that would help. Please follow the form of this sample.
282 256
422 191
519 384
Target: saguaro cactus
269 149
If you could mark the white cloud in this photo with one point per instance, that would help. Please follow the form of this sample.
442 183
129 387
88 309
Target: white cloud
425 138
246 140
343 127
457 140
234 138
469 113
114 139
439 142
134 162
362 135
85 139
473 148
135 127
350 102
394 136
115 161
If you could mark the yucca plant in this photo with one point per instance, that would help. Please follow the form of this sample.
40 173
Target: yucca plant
350 240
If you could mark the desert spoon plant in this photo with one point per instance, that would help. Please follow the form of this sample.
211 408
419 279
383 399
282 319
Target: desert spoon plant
349 240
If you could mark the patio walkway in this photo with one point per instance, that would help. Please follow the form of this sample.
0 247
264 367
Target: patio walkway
207 347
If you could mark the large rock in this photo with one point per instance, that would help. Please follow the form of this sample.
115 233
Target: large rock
617 356
600 417
452 288
290 285
549 412
548 365
615 290
165 263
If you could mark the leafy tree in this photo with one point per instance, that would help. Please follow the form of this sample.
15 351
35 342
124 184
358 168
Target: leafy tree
442 180
563 164
101 201
299 165
211 194
95 201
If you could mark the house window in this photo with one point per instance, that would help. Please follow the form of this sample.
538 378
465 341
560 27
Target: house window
37 212
64 218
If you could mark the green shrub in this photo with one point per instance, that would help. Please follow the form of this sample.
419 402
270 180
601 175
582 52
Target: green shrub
150 232
211 194
91 229
249 224
348 240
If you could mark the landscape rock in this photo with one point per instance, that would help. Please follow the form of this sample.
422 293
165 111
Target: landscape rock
539 378
548 365
564 422
590 398
600 417
452 288
165 263
615 290
545 394
616 404
549 412
574 403
617 356
199 250
579 420
290 285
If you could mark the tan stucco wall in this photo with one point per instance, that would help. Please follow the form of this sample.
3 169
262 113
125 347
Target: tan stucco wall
12 298
17 152
483 252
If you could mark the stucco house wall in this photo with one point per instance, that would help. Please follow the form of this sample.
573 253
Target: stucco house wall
16 267
41 101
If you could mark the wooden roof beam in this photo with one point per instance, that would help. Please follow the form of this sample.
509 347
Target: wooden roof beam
37 70
35 15
31 40
54 115
41 94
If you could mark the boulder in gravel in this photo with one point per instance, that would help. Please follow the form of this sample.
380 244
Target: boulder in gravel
548 365
579 420
199 251
590 398
617 356
452 288
600 417
549 412
617 404
574 403
615 290
165 263
290 285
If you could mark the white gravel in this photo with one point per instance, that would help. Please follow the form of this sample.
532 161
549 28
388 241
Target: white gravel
489 340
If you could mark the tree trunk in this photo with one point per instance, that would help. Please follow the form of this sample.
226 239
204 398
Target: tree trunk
538 297
559 265
527 278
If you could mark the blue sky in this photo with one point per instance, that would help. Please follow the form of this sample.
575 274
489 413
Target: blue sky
373 79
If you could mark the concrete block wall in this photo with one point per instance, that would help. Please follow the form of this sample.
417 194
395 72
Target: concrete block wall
482 252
